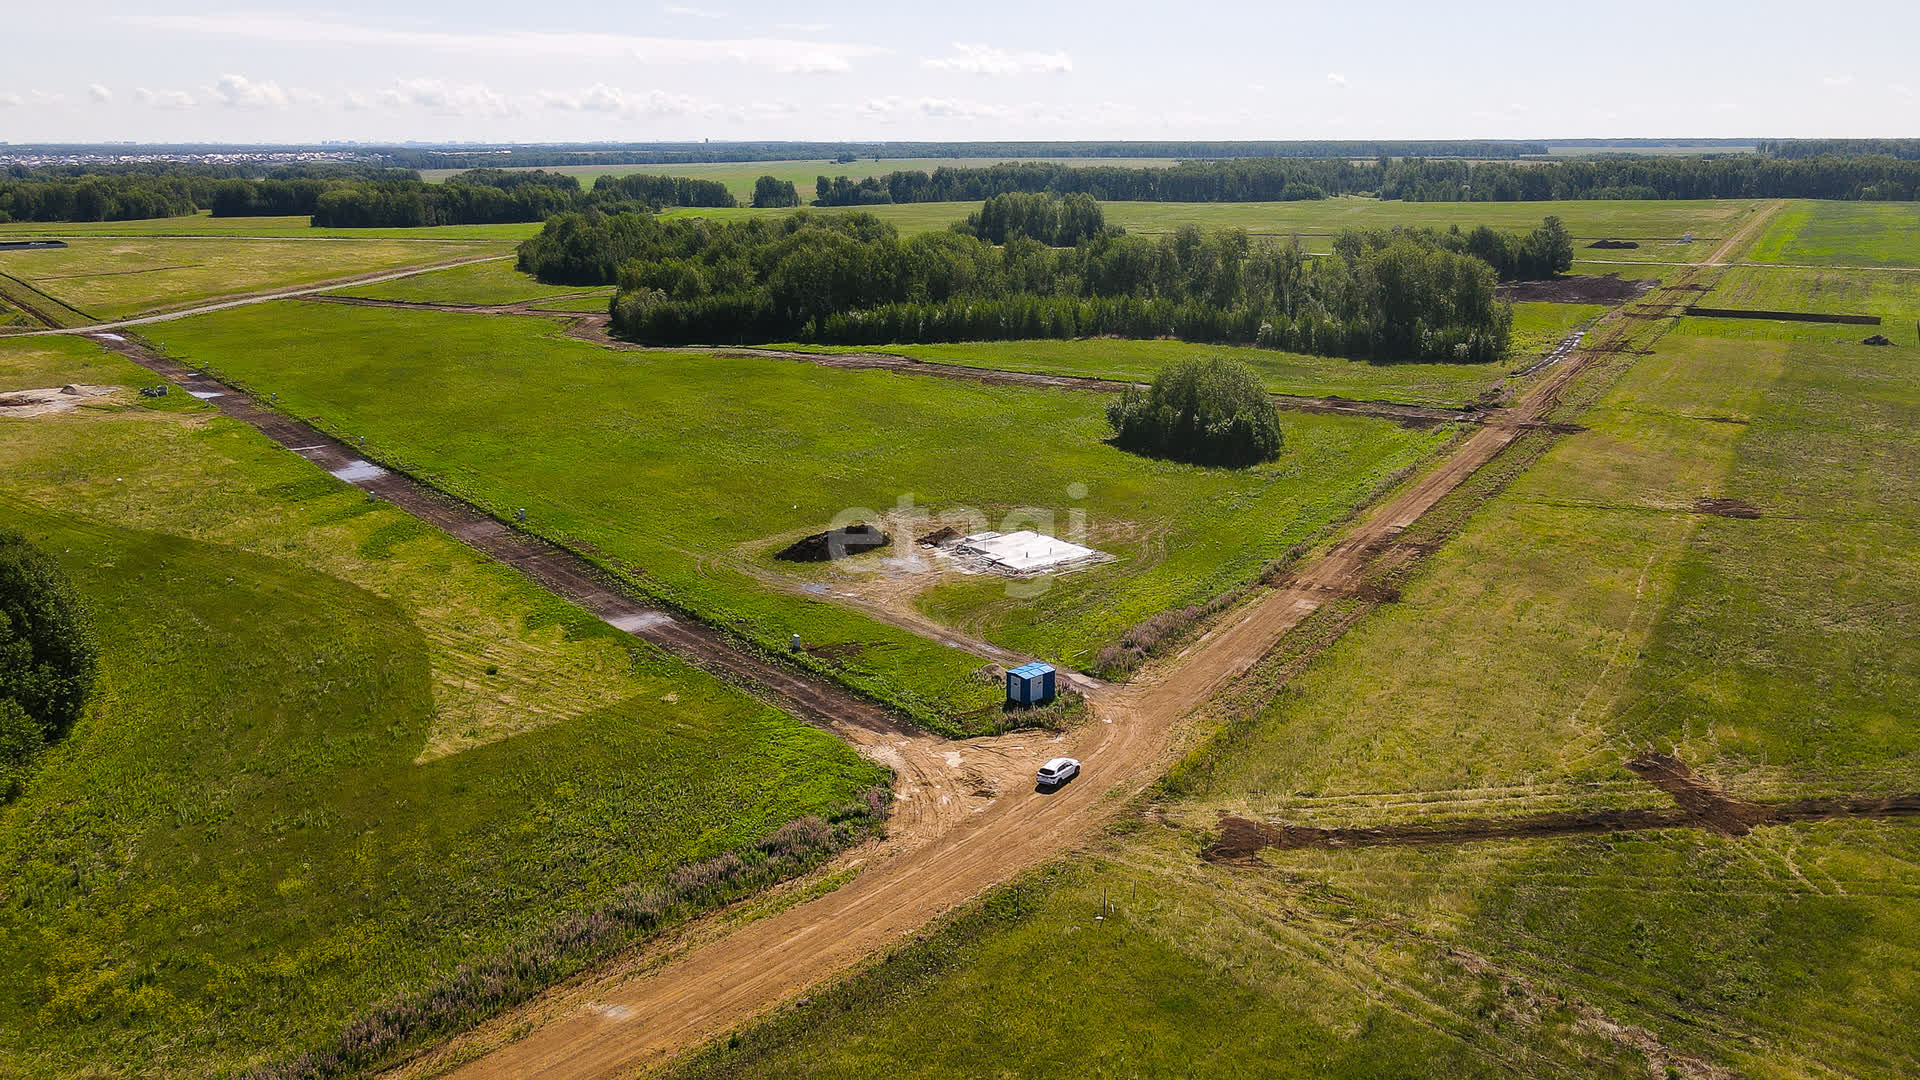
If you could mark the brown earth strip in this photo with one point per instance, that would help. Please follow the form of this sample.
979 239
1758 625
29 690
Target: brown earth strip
1718 507
1782 316
1576 289
1240 839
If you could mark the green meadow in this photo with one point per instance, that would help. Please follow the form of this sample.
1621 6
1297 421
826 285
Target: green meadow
312 710
635 458
110 278
1583 610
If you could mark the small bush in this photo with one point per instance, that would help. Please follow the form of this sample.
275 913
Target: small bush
1210 412
47 656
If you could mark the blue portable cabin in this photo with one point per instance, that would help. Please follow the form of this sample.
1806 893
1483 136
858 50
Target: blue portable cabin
1030 684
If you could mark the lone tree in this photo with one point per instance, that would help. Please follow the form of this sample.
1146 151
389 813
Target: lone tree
47 657
1210 412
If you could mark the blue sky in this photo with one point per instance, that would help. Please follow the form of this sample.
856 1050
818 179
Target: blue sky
1193 69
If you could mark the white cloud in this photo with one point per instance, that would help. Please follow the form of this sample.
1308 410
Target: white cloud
1838 80
778 53
815 63
802 28
240 92
1336 79
356 102
445 99
98 94
1902 89
693 12
987 60
11 101
163 99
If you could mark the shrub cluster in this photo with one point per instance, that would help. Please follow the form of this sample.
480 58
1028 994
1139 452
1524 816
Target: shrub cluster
1209 412
47 657
474 992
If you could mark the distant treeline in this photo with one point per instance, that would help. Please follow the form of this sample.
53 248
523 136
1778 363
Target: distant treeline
1744 177
134 191
499 196
851 279
697 153
1904 149
1422 180
339 196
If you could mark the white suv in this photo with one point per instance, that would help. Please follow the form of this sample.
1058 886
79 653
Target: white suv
1058 771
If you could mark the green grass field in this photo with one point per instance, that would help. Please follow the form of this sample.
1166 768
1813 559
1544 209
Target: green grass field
1537 328
1843 234
635 457
114 278
475 283
302 725
1582 615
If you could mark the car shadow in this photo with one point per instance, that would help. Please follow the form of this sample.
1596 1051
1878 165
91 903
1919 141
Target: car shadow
1053 789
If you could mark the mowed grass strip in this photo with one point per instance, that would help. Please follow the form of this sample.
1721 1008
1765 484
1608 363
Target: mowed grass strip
693 469
252 836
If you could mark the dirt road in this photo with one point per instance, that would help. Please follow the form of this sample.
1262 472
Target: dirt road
648 1018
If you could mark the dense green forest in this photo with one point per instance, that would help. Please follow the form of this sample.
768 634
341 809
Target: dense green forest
337 196
150 190
1413 179
850 278
1905 149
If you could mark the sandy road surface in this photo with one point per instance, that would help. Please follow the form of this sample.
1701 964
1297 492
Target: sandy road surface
649 1018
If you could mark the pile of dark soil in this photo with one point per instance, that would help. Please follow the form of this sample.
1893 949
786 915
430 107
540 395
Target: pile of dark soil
1877 339
1732 508
1577 289
835 544
945 534
1614 245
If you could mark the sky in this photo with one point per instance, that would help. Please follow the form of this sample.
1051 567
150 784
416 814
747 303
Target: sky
435 71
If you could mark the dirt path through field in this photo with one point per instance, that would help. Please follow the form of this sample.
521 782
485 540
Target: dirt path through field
645 1020
949 845
265 296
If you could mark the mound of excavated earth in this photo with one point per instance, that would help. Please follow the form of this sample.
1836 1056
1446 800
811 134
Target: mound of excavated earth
835 544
